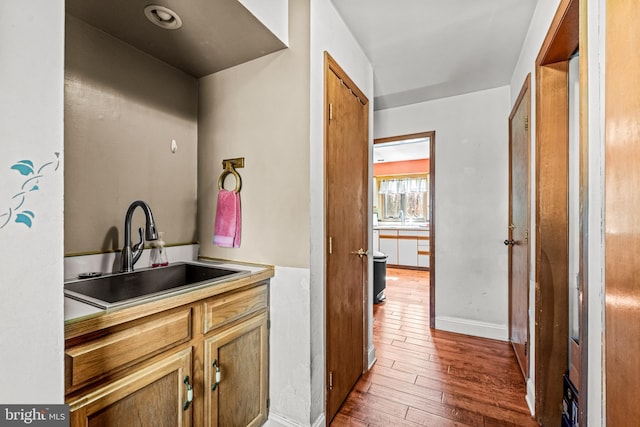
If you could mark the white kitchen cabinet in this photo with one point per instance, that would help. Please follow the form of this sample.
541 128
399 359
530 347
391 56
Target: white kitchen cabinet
408 251
424 249
376 240
389 245
407 247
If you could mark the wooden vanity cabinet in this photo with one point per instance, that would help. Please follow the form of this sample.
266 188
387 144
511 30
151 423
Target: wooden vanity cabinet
203 363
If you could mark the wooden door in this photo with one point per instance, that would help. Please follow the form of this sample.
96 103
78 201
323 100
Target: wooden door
236 375
622 213
154 395
346 165
518 235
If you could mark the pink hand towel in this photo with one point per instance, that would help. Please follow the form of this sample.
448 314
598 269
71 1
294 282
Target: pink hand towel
228 223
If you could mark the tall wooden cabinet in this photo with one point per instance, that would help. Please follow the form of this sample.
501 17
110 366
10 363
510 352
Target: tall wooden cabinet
201 363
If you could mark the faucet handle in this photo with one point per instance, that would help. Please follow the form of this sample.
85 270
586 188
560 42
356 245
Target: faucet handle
138 247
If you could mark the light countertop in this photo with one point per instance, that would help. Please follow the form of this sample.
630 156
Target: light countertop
75 310
401 227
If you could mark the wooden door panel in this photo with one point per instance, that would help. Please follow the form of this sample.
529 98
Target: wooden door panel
240 353
622 217
152 395
519 227
346 219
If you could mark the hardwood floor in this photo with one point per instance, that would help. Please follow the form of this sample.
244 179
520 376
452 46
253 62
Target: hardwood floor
432 378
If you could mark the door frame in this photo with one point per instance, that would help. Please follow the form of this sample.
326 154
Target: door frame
566 32
526 86
331 66
432 211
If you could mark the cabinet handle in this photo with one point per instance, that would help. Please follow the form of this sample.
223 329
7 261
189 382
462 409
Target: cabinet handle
189 393
217 368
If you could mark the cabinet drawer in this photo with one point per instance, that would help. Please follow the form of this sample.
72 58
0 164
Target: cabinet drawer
119 347
226 308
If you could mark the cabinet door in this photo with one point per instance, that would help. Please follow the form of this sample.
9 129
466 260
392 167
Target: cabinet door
153 395
424 249
237 397
376 240
389 246
408 251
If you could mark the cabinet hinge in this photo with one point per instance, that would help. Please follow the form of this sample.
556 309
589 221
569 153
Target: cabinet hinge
526 347
526 123
268 403
268 323
330 111
330 245
330 380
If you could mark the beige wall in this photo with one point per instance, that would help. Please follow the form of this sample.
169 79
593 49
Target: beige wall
122 109
260 111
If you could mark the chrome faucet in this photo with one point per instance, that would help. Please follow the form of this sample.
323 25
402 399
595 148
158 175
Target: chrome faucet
401 217
131 255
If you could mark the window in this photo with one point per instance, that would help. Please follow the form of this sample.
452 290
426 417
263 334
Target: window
404 196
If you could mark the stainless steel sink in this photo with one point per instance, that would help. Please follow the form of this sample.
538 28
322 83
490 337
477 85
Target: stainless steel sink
123 289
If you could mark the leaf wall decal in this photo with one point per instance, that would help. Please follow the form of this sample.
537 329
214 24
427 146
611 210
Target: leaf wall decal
23 169
25 218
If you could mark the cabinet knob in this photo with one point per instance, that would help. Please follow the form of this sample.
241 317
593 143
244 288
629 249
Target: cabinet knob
189 393
214 386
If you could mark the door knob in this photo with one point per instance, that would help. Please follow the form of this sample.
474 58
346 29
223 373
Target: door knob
360 252
509 242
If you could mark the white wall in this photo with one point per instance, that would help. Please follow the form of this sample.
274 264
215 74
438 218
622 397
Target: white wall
31 83
328 33
471 204
274 14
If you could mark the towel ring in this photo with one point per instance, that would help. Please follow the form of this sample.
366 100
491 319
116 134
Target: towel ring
230 169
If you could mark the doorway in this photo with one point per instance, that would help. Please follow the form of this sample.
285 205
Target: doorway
410 158
552 220
346 207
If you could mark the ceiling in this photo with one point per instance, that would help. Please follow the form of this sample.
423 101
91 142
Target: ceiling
398 151
215 34
429 49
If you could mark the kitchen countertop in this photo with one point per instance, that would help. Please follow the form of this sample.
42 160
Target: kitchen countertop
75 311
401 227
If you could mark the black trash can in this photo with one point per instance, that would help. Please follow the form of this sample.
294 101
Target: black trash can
379 276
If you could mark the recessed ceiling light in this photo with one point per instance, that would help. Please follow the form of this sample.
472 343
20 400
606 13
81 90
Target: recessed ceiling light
163 17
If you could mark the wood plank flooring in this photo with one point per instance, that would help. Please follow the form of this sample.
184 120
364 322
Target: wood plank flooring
425 377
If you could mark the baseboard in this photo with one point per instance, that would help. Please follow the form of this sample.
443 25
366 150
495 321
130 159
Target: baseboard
472 327
320 421
531 397
371 356
276 420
